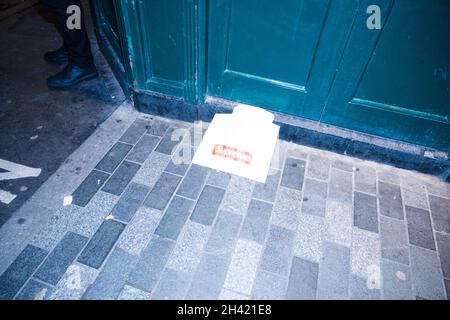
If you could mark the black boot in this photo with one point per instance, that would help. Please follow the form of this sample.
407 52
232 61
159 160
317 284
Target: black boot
70 76
58 57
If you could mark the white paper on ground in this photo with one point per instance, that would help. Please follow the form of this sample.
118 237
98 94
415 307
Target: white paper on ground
241 143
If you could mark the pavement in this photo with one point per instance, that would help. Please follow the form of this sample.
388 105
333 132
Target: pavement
115 215
143 226
39 128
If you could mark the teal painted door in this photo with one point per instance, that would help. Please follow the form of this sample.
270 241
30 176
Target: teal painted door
108 16
317 59
396 82
277 55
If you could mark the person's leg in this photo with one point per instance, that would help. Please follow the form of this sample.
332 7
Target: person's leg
76 41
76 46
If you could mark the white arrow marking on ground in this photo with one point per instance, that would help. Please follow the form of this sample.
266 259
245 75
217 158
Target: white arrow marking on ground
14 171
6 197
17 171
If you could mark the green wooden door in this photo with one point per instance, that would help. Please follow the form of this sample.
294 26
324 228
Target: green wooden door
109 24
317 59
396 82
277 55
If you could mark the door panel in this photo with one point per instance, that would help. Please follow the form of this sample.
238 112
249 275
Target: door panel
395 83
281 57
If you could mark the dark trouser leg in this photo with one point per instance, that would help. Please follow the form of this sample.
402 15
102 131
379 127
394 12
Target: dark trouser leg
76 41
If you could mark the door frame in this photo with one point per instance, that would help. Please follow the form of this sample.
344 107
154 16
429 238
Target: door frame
114 47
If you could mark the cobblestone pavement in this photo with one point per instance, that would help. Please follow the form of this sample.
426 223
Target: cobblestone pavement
324 226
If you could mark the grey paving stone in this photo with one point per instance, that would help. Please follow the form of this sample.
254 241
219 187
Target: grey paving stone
218 179
243 266
415 199
152 168
35 290
62 256
293 173
269 286
120 179
366 255
172 286
238 194
151 263
175 217
308 243
447 288
109 282
394 241
341 184
256 221
193 182
162 191
342 164
130 201
158 127
114 157
443 244
101 243
426 274
287 208
187 252
365 212
143 148
302 280
419 228
132 293
360 290
315 197
390 199
224 234
338 222
388 176
207 205
440 211
171 139
226 294
366 179
91 217
318 167
278 252
397 282
56 227
296 151
267 191
414 192
138 232
208 278
196 134
438 188
74 283
86 190
180 160
279 155
333 279
20 270
135 131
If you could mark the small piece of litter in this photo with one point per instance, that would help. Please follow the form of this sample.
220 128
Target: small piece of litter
67 200
110 217
23 188
400 275
39 127
98 181
34 137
